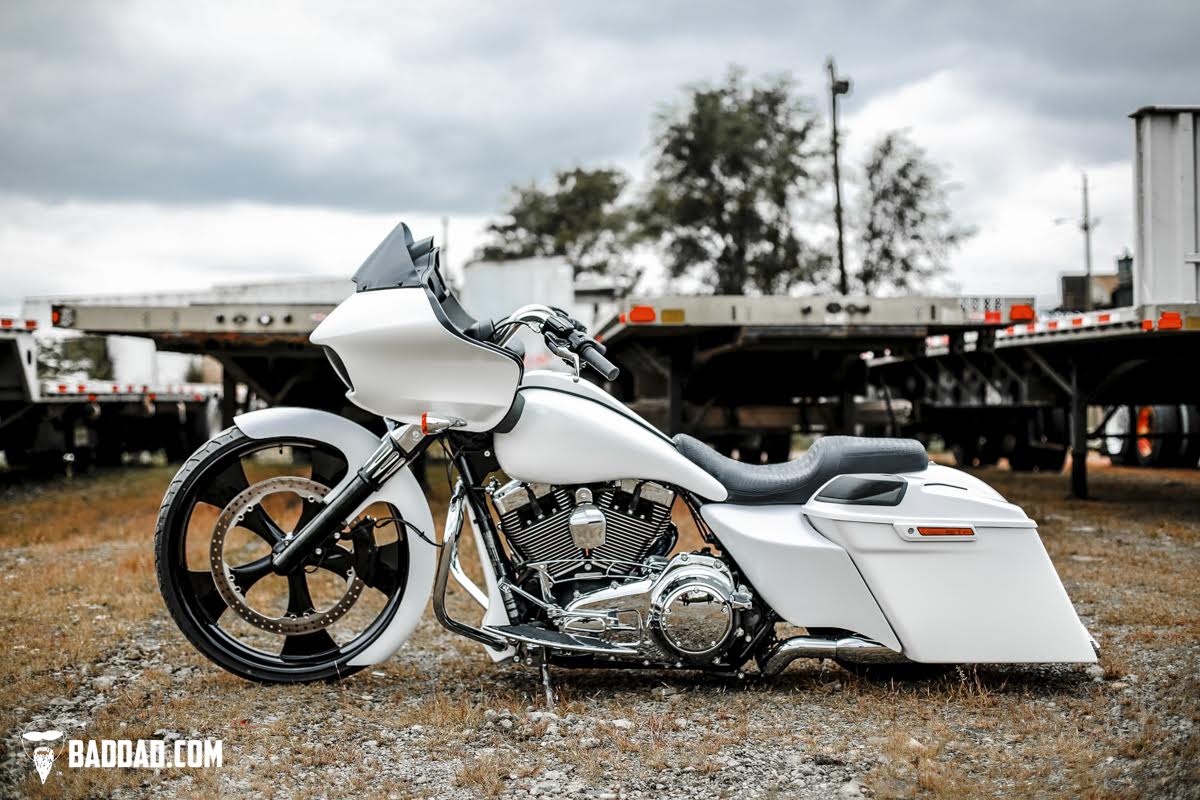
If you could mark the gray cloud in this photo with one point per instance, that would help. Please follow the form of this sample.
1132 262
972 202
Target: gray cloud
439 107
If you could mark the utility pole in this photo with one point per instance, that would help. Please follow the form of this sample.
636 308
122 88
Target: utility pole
1086 225
837 86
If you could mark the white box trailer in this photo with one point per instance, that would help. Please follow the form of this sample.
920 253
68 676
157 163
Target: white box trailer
1166 180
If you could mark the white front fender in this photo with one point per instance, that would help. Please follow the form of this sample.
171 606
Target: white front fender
356 444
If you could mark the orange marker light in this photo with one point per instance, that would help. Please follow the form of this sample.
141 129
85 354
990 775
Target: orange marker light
425 423
642 314
1020 312
945 531
1170 321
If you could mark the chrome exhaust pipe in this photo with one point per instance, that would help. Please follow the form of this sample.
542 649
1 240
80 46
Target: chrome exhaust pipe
848 648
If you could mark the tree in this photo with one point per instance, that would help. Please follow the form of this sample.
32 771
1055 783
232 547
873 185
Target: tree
907 228
581 219
733 165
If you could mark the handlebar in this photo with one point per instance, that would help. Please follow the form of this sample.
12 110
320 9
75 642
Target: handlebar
564 335
589 351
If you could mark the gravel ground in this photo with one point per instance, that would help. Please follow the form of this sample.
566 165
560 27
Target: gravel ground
439 720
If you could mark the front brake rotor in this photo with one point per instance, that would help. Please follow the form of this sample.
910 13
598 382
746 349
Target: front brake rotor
231 516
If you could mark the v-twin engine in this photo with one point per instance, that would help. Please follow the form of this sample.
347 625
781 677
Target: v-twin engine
588 531
594 559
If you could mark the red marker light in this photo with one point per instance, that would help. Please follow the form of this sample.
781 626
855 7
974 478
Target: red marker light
1020 312
642 314
1170 321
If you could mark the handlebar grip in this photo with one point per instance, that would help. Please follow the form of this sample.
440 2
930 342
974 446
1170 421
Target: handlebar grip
596 360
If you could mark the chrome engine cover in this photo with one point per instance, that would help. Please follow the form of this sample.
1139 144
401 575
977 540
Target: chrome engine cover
694 607
686 610
599 531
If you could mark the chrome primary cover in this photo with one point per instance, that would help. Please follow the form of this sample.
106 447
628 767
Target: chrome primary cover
694 605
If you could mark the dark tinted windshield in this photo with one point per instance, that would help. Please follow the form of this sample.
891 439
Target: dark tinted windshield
400 262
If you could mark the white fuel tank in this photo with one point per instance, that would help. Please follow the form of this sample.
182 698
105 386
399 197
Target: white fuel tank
565 437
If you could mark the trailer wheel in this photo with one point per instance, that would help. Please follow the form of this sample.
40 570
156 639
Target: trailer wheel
1189 429
1157 428
1021 459
1050 458
778 448
1118 446
965 452
989 449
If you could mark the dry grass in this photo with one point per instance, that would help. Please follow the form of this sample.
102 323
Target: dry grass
76 562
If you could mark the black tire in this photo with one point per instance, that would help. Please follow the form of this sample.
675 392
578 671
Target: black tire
1161 422
1189 429
778 448
1118 446
990 449
1021 459
966 452
198 610
1050 459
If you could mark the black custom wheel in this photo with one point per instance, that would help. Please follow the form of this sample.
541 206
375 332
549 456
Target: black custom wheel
230 503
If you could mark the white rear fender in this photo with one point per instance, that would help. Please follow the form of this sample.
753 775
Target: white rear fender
356 443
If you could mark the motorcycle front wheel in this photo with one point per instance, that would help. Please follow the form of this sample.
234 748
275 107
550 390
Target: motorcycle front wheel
228 505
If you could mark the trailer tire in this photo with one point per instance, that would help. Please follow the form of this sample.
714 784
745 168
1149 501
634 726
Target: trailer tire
1050 459
1118 446
965 452
1189 429
1161 422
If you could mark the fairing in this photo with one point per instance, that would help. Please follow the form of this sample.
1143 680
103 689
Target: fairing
403 359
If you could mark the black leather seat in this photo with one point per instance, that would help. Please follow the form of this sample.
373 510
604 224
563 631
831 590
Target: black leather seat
795 481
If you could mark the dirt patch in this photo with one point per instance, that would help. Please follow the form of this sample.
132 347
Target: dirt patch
89 649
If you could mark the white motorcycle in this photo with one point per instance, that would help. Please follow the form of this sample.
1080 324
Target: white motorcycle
298 546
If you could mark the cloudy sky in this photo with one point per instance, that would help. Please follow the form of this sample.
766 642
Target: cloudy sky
154 146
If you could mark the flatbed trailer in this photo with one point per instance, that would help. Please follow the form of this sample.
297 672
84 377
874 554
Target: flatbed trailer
745 373
43 422
983 374
1023 392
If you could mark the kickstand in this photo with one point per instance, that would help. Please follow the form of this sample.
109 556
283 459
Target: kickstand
547 686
